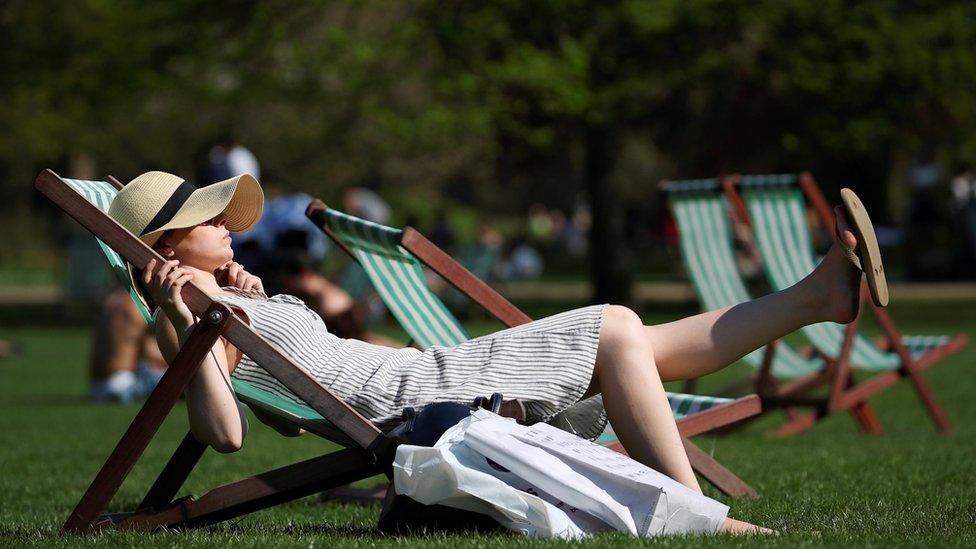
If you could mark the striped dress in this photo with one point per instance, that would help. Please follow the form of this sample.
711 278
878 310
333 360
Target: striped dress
547 364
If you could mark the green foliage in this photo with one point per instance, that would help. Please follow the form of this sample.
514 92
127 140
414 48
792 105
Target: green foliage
352 92
493 104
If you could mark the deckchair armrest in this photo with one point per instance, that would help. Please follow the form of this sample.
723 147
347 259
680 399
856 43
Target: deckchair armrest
720 416
464 280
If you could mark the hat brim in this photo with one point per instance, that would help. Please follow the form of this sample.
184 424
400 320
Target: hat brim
240 199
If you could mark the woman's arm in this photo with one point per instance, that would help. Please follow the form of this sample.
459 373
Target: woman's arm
214 417
211 407
234 356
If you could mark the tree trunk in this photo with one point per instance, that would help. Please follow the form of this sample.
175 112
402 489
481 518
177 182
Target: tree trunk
609 257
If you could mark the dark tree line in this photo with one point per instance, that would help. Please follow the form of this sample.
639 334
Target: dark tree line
496 104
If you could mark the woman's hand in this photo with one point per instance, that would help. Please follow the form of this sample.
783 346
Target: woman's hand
165 284
233 274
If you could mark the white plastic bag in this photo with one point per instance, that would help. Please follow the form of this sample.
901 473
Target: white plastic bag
542 481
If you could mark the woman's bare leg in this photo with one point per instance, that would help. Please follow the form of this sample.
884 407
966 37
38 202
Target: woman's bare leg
701 344
637 405
634 396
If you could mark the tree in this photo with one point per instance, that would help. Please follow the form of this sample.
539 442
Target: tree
838 87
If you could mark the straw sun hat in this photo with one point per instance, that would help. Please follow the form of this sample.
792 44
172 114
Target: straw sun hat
156 202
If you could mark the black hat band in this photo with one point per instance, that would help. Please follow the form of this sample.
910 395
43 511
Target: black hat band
169 209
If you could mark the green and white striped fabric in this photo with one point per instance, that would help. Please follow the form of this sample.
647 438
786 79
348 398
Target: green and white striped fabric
398 277
778 212
101 194
701 213
682 406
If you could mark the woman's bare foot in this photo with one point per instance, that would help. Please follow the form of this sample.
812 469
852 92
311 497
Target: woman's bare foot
836 282
733 526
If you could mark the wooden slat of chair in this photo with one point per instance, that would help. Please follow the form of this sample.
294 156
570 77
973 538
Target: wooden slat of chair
261 491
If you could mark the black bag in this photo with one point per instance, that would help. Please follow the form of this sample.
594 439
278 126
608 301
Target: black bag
402 514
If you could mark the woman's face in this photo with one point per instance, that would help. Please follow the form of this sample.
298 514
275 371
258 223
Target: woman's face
205 246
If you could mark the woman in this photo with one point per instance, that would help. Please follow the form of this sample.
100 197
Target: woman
553 364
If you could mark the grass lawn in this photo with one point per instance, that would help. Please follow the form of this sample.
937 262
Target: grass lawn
830 486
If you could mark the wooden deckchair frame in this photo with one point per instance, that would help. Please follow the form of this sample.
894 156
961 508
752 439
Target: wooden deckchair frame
844 394
372 453
791 395
509 315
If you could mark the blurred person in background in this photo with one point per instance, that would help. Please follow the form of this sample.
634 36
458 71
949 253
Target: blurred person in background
366 204
539 223
125 363
574 231
481 257
926 260
524 262
963 207
287 251
8 349
442 233
229 159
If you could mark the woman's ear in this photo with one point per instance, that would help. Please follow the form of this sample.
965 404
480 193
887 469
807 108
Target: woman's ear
164 250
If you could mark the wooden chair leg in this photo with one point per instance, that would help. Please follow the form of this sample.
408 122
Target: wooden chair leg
864 415
932 405
133 443
866 419
913 370
260 491
173 476
712 471
796 424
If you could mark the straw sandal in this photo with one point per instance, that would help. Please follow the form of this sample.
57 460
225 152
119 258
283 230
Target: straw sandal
867 257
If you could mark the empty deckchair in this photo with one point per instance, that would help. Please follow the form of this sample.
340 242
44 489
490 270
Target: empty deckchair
785 375
775 207
394 259
368 453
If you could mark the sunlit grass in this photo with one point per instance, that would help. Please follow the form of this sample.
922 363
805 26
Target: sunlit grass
830 486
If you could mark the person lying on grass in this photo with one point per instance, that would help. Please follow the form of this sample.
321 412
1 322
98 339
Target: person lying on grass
554 365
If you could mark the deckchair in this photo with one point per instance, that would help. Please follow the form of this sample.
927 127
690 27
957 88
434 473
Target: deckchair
775 207
785 375
395 260
367 451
